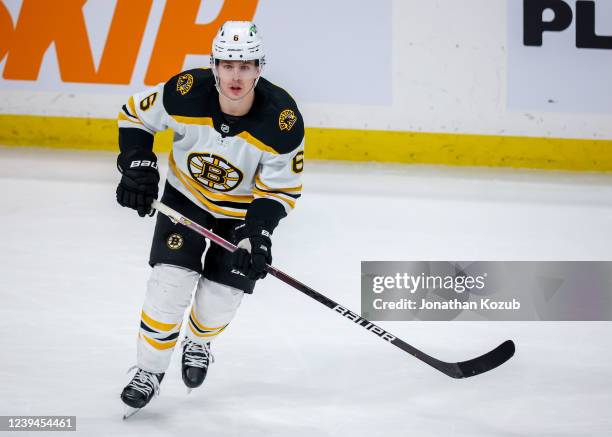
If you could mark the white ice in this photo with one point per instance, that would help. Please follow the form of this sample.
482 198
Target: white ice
74 266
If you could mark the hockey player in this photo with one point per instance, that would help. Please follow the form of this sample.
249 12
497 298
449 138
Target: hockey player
235 168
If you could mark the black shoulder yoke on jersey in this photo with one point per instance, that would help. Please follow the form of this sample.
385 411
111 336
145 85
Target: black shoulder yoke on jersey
274 119
191 93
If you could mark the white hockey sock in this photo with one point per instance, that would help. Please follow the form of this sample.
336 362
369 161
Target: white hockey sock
169 292
214 307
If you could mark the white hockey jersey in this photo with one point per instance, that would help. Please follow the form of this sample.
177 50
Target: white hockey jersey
222 166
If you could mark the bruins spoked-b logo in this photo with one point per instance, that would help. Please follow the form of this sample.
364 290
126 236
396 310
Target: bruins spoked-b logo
175 241
214 172
286 119
184 83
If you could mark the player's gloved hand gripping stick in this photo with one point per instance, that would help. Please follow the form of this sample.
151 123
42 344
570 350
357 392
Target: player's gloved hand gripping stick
464 369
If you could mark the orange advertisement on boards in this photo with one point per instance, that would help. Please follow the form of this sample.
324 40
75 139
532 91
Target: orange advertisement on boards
62 23
118 47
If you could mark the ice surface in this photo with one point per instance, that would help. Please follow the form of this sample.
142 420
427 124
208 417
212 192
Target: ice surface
74 265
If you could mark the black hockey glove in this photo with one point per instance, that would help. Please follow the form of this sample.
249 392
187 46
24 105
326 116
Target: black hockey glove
139 184
254 251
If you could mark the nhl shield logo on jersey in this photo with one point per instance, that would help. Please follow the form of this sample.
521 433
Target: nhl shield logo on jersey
214 172
184 83
286 119
175 241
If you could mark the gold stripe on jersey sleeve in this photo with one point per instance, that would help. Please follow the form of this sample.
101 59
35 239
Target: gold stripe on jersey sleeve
132 107
288 190
203 121
124 117
291 203
186 182
158 345
157 325
255 142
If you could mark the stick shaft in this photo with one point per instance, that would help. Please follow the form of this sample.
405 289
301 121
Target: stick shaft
464 369
287 279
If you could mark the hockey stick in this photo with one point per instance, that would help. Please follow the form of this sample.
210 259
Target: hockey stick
464 369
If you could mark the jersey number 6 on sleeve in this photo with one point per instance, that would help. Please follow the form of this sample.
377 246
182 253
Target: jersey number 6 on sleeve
298 162
148 101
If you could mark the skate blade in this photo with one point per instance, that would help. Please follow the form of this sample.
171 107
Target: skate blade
129 412
189 390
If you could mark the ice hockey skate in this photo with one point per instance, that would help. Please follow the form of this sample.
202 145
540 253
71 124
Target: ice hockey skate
139 392
196 359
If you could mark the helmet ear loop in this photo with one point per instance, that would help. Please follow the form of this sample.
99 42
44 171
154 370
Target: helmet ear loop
218 83
213 67
260 67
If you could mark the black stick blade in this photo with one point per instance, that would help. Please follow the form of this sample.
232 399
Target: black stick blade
484 363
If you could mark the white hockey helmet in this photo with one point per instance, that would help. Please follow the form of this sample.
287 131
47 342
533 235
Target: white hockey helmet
238 41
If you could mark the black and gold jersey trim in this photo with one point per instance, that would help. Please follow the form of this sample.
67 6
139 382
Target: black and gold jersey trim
294 196
288 195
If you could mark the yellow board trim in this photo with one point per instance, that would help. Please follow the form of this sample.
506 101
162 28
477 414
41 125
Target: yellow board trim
155 324
344 144
157 345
